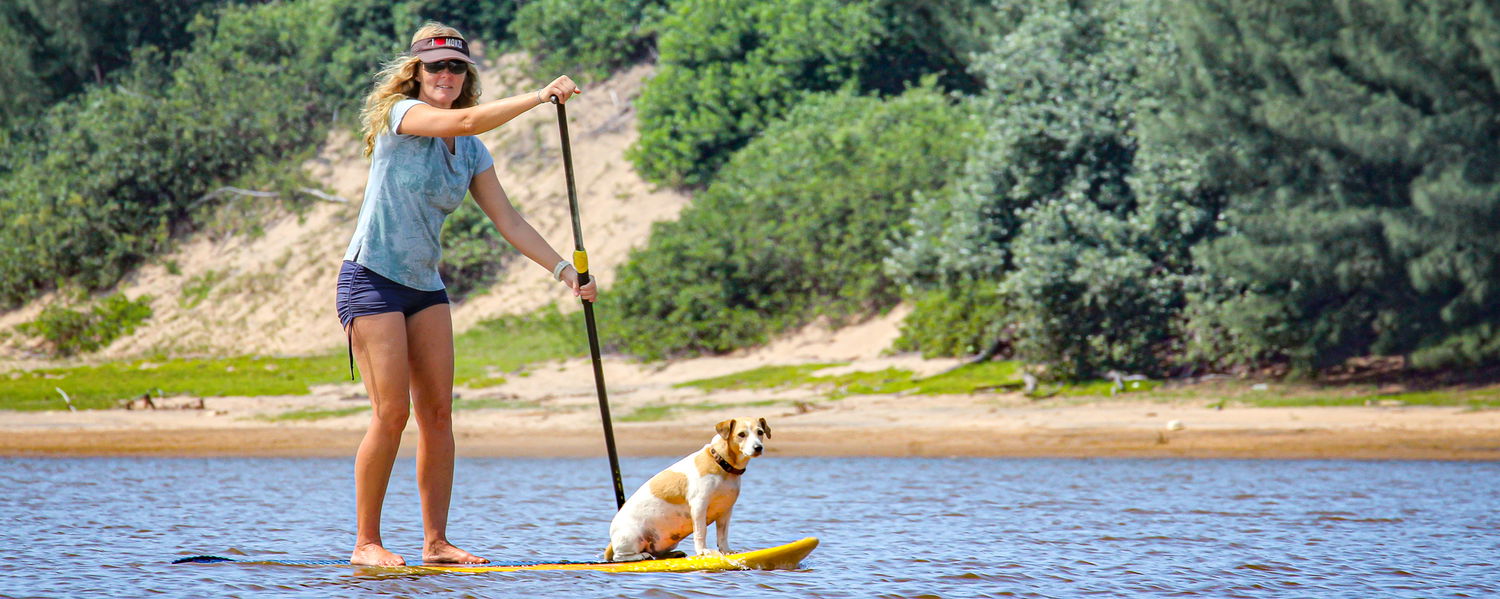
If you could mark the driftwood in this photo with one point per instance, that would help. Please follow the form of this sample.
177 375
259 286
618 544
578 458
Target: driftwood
66 399
144 400
226 190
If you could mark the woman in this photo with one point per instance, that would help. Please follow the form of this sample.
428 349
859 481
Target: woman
419 123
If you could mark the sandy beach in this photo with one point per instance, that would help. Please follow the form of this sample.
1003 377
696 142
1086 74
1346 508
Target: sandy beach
553 412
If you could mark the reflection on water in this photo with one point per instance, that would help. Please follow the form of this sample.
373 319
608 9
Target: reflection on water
890 528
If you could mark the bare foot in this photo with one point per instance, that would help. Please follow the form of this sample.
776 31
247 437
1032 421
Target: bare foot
443 552
371 554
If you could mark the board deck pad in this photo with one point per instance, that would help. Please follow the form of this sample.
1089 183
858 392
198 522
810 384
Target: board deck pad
783 557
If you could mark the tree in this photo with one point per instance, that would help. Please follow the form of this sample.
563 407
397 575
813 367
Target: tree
1355 143
729 68
1080 226
796 225
585 38
59 46
110 172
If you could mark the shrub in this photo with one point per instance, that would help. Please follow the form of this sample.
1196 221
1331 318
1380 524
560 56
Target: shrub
487 20
473 251
107 175
585 38
958 320
729 68
1088 228
68 331
1356 147
60 48
797 224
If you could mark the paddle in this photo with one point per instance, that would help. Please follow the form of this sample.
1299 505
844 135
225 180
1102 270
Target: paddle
581 264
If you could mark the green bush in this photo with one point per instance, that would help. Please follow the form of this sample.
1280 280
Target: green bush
1356 145
473 251
934 37
1088 230
68 331
486 20
59 47
585 38
729 68
797 224
958 320
109 174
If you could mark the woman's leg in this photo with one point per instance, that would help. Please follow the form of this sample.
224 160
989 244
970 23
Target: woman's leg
380 348
429 338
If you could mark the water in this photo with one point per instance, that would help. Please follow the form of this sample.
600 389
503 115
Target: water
890 528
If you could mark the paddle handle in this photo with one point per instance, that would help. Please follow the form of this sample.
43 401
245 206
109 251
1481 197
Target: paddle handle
581 264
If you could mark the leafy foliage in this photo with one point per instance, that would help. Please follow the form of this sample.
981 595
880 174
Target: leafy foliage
121 164
932 37
473 251
729 68
68 331
957 320
1088 232
587 38
1355 142
797 224
487 20
60 46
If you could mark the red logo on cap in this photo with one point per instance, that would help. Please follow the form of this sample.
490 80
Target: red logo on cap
439 42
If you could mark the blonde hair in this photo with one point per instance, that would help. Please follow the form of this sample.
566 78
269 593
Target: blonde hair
397 81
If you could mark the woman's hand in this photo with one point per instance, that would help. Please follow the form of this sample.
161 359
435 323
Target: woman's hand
588 292
562 87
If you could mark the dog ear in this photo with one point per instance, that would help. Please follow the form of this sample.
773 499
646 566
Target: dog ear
765 427
725 429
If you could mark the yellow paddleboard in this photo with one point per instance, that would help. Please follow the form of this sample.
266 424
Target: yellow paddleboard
785 557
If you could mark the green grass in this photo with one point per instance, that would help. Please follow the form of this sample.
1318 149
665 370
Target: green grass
509 343
493 347
104 385
310 414
493 404
890 380
765 377
1488 397
969 378
966 379
663 411
196 289
972 378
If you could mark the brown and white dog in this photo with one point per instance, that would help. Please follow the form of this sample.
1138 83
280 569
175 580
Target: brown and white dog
698 489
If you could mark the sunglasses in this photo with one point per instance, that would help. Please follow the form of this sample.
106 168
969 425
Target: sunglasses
457 67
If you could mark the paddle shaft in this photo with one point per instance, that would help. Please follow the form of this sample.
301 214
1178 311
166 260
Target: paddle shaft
580 259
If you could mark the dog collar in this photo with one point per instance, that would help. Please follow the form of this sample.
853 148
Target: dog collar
723 463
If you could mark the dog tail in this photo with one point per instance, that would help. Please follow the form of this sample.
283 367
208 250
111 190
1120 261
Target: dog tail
609 552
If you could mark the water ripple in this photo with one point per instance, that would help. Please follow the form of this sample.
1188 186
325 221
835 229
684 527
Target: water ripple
923 528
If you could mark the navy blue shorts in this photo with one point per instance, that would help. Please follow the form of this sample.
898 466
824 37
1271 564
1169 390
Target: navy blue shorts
363 292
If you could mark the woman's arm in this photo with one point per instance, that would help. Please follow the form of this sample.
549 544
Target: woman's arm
513 227
431 121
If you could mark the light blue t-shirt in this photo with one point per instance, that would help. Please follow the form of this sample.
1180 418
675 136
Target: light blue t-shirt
415 183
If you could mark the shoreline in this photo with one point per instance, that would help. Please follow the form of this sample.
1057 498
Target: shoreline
553 412
1308 440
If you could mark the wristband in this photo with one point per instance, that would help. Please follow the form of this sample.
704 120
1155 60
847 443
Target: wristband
557 270
539 95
